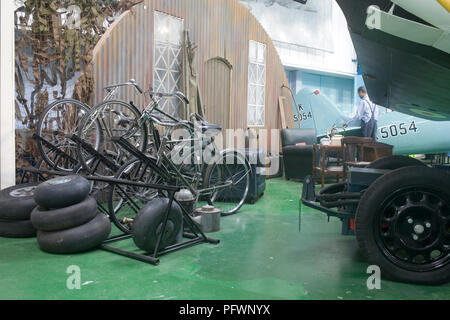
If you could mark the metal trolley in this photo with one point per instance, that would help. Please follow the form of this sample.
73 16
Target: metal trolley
192 231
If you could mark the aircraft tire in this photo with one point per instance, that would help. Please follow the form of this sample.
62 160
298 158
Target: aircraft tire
16 203
62 192
64 218
17 229
78 239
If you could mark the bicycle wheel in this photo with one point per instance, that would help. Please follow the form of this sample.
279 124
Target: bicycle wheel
228 180
116 119
125 201
56 121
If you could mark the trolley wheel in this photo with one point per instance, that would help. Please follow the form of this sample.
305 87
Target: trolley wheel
150 221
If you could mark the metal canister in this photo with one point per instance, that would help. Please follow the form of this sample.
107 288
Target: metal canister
209 218
186 199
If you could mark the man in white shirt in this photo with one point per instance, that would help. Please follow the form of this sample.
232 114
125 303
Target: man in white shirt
368 114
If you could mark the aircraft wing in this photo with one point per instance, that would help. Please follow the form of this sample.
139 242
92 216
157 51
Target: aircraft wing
404 53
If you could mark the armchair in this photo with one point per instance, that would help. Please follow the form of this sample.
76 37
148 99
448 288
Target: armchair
297 149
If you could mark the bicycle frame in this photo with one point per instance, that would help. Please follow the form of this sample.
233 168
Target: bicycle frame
165 174
162 164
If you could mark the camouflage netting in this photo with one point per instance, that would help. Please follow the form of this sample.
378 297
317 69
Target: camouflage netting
54 44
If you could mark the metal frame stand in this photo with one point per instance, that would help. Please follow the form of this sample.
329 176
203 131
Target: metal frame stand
52 147
195 236
309 199
359 180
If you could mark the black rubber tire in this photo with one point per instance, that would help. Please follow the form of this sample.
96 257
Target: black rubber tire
367 213
64 218
78 239
148 224
17 229
395 162
17 207
62 192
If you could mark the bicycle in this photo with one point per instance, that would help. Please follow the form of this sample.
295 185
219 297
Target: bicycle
224 182
61 118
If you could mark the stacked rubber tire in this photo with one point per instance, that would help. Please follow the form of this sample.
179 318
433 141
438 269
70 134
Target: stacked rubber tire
66 217
16 205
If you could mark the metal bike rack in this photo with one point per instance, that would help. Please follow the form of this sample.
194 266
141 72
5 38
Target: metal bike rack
195 236
59 152
97 156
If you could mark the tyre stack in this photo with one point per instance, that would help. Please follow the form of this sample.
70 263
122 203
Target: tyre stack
66 217
16 205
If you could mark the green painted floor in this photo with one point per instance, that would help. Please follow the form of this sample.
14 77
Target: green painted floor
262 255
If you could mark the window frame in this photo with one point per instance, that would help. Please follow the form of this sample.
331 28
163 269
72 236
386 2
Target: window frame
249 83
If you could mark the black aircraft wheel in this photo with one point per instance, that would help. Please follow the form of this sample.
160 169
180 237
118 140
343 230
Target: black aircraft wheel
403 225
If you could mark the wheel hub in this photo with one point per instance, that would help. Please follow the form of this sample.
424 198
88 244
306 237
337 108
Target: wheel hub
419 229
22 192
413 229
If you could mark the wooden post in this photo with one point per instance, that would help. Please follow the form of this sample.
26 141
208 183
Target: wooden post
7 92
282 113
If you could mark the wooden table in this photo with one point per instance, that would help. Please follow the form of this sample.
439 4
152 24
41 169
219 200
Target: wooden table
323 168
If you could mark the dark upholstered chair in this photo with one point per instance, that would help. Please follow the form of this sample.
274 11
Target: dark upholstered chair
297 159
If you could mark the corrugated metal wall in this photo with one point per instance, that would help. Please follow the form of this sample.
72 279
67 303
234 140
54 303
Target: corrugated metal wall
220 28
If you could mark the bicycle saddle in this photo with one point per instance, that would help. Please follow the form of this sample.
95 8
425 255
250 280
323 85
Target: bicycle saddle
205 125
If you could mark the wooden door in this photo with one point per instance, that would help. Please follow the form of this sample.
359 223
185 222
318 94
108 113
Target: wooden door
217 91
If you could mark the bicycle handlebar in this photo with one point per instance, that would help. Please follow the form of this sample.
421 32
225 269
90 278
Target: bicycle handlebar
163 123
131 83
177 94
152 93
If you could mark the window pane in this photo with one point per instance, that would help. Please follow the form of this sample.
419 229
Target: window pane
256 84
168 59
